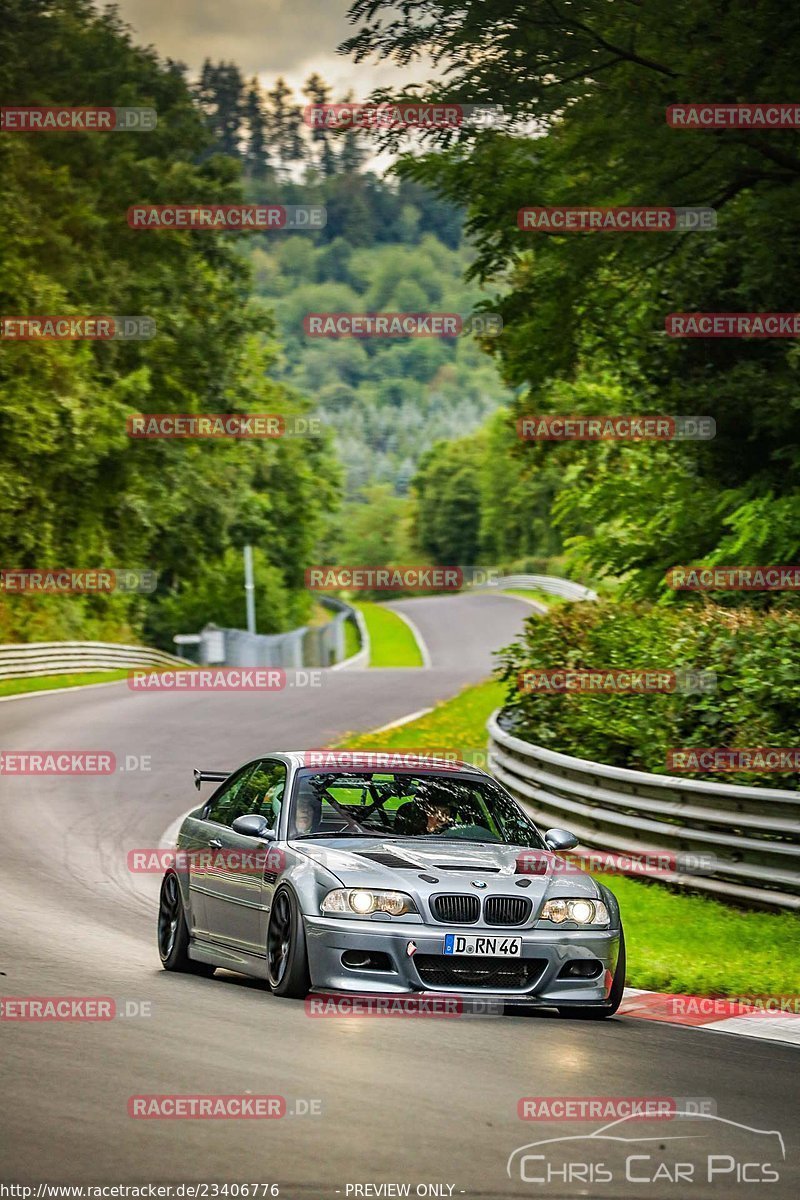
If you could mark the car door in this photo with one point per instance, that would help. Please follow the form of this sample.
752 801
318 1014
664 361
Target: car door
240 878
200 837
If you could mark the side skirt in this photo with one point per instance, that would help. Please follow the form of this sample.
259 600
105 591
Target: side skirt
227 959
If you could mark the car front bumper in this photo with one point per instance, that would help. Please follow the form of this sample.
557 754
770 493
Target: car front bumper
545 955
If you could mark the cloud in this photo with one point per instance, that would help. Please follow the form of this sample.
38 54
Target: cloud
264 37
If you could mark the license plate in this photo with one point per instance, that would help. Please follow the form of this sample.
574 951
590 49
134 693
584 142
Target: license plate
480 944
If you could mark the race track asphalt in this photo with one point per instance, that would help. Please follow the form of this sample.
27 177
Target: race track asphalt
417 1101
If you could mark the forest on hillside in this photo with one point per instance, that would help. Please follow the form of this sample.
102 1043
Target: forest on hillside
388 245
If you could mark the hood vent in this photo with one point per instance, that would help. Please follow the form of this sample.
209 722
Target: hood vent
387 860
476 870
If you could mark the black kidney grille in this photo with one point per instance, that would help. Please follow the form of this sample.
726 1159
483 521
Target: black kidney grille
506 910
456 910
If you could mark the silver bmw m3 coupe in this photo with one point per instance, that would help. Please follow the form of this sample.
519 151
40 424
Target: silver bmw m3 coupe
376 872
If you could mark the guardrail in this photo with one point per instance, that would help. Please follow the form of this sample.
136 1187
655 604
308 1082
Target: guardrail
752 834
29 659
307 646
546 583
361 657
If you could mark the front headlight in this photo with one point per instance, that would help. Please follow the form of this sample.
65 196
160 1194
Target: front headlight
582 912
364 901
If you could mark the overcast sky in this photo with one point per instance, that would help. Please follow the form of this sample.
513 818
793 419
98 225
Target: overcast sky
264 37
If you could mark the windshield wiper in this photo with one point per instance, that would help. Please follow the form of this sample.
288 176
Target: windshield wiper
331 833
442 837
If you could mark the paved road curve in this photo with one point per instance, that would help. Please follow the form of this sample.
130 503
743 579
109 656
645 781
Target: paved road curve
415 1101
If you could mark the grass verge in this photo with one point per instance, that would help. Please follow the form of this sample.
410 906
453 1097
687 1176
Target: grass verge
392 644
48 683
352 643
677 942
534 594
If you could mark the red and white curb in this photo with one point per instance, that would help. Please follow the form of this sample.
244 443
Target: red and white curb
718 1015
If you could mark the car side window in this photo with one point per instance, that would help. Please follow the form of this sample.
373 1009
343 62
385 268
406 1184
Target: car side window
226 805
264 790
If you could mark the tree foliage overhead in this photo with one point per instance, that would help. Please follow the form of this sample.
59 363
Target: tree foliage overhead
585 85
75 490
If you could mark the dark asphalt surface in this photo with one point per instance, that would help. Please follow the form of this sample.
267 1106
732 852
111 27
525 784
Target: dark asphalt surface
417 1101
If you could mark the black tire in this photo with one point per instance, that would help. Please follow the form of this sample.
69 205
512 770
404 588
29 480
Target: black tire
589 1012
173 934
287 957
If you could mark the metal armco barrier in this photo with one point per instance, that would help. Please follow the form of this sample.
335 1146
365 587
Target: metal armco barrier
308 646
27 660
546 583
752 833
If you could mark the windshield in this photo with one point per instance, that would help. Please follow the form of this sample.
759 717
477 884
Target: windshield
334 803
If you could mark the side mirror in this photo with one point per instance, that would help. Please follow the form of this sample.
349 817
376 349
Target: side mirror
556 839
253 825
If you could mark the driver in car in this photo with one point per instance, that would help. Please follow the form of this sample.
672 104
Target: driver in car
438 818
307 812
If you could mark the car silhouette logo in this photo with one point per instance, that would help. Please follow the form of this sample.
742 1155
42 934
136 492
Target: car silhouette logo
615 1132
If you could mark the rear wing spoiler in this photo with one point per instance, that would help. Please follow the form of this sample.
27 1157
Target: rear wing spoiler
209 777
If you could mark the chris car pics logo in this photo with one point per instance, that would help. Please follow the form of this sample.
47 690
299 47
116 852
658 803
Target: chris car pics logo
700 1148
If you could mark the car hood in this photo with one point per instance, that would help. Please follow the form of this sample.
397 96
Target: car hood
453 864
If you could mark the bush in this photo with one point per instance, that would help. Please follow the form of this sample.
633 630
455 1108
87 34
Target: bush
755 655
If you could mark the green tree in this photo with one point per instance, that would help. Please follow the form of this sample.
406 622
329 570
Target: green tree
256 155
447 509
75 489
374 529
284 126
221 93
593 81
317 92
